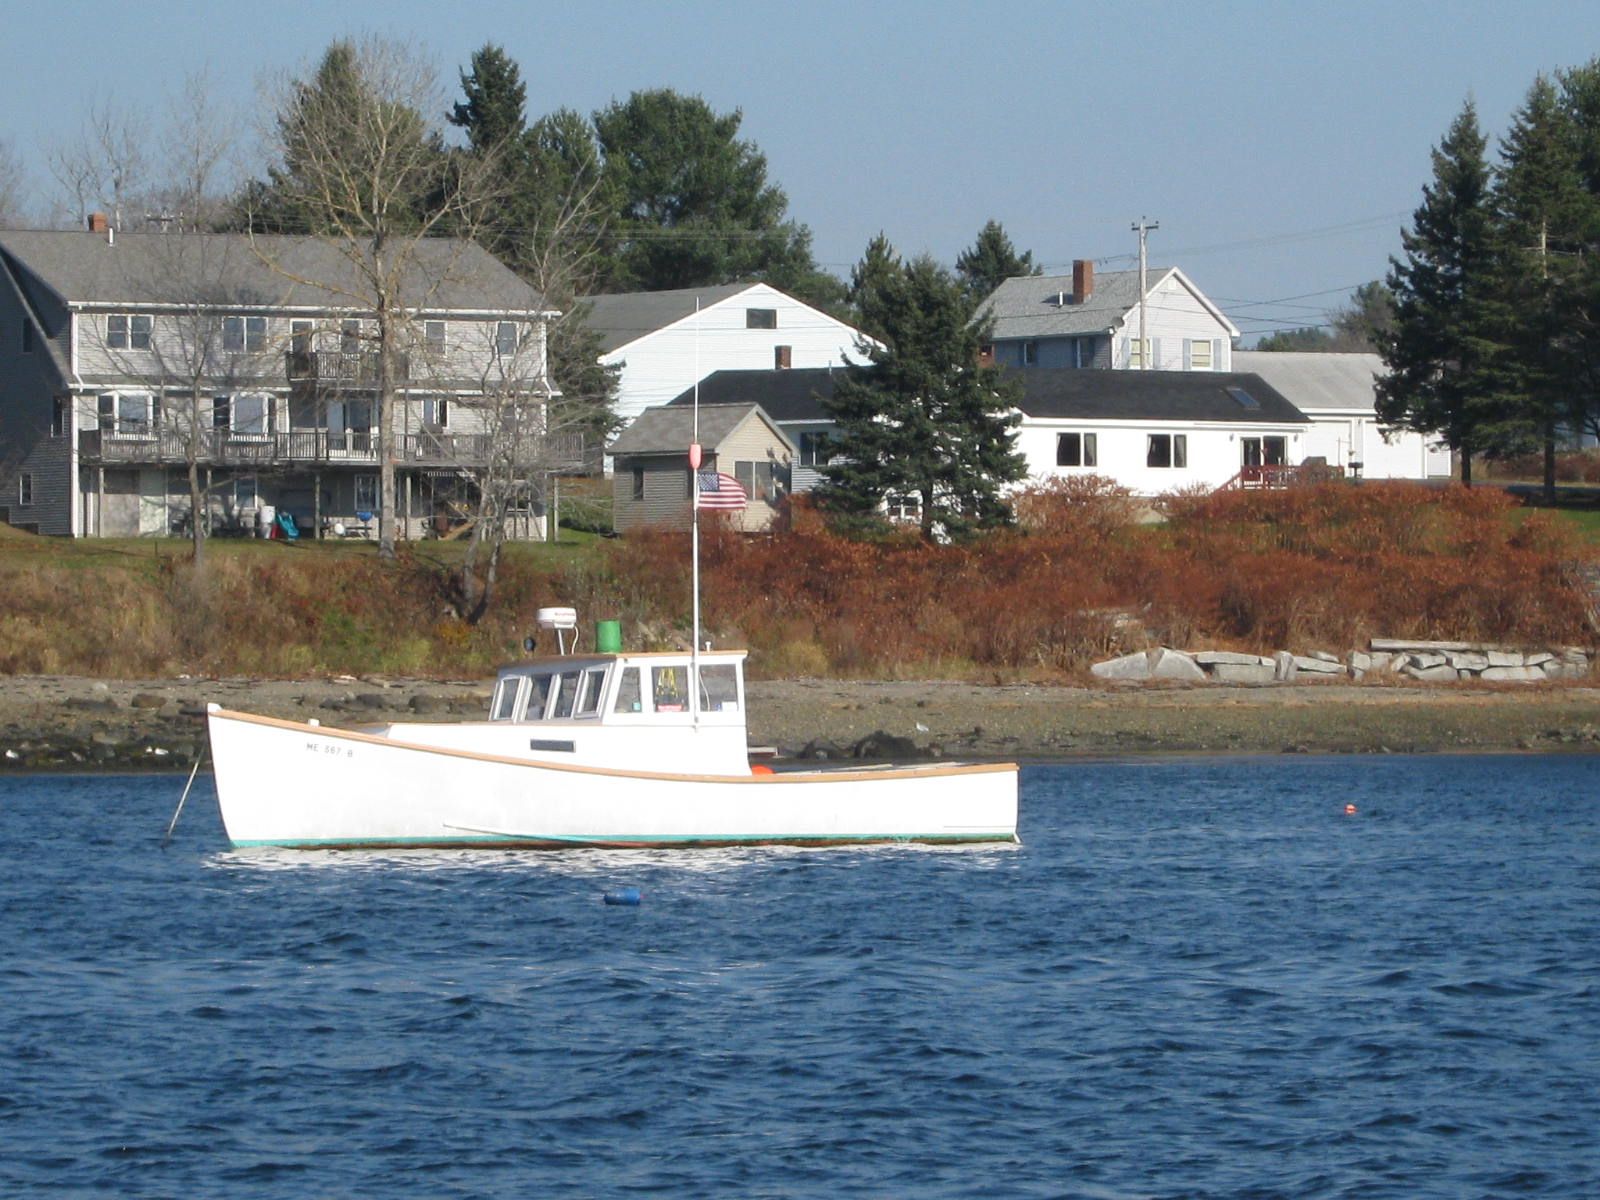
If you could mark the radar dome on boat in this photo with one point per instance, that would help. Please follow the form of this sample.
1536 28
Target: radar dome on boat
557 618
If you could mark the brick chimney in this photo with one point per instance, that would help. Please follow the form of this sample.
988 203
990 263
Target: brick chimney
98 222
1082 280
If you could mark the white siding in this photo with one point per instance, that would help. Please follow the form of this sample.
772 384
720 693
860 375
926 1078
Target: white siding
1214 451
661 365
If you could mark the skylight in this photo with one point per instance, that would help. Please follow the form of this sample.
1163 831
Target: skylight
1245 399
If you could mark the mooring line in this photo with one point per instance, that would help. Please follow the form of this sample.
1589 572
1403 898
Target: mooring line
193 771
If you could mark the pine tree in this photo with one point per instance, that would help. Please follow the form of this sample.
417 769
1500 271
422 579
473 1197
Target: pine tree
1446 357
923 420
1580 300
879 266
492 113
1538 204
991 261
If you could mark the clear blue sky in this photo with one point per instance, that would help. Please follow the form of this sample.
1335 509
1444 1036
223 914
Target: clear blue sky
1280 146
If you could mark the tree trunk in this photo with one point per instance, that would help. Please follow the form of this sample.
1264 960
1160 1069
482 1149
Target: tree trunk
386 449
1466 466
197 514
1549 464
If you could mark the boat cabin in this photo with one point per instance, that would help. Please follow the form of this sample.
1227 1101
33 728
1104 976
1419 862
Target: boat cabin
623 689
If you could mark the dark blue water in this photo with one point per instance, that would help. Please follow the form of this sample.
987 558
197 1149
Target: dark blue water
1195 978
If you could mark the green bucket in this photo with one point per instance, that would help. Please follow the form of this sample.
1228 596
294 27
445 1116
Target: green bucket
608 637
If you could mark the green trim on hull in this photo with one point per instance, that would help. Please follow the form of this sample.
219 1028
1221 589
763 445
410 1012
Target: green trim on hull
675 841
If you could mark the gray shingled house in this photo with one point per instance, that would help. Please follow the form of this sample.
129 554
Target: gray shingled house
651 483
124 354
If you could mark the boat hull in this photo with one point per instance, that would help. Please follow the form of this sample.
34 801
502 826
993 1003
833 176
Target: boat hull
285 783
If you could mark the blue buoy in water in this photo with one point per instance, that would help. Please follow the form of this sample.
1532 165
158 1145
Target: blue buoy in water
629 896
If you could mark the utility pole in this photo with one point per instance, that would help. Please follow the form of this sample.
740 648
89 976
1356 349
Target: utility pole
1142 227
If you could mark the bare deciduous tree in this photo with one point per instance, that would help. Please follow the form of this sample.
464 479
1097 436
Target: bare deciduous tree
361 162
11 187
106 168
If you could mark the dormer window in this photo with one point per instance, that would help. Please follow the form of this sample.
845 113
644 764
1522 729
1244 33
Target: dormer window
760 318
128 331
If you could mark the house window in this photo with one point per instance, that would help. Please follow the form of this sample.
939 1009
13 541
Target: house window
436 411
814 451
350 337
760 318
245 494
505 338
782 357
638 484
433 335
60 416
757 480
1030 354
25 489
1083 352
903 507
1200 355
251 412
125 332
1167 450
128 414
1137 350
244 334
1075 450
300 334
366 493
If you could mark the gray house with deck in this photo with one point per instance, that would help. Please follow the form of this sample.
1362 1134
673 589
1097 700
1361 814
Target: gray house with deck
124 357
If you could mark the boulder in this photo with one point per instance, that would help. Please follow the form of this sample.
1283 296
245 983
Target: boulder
1174 664
1505 658
1283 667
1425 660
1211 658
1245 673
1128 666
1437 673
1361 662
1318 666
1517 674
1467 660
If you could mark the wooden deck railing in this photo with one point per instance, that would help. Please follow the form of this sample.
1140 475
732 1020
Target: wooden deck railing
162 446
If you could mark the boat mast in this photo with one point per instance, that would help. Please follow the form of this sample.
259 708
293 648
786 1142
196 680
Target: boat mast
694 538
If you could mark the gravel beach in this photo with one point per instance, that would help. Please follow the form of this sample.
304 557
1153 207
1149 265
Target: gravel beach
61 723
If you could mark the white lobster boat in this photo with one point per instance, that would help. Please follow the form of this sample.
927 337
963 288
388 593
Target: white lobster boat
604 749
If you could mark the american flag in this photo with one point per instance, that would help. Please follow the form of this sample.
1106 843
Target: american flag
720 491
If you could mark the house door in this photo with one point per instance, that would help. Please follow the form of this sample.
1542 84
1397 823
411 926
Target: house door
1263 451
152 504
119 505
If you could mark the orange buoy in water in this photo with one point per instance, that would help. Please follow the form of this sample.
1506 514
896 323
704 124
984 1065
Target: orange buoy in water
1349 810
760 769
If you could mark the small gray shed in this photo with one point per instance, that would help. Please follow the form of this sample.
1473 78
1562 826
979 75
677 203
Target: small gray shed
651 484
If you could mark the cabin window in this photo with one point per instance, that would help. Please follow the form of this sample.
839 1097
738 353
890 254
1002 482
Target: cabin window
540 698
1075 450
638 484
590 685
25 489
1167 450
566 688
719 688
628 699
667 693
504 705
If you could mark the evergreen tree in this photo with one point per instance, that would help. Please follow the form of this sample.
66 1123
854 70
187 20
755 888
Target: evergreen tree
1580 299
991 261
923 421
1537 199
691 203
878 267
492 113
1446 360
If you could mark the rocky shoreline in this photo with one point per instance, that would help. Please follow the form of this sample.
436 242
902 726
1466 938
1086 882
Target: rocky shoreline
73 724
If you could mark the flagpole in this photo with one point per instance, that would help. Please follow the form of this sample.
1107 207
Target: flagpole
694 508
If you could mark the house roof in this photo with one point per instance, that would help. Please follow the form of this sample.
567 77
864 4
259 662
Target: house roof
445 275
1155 396
628 316
1317 380
668 429
784 395
1030 306
795 396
